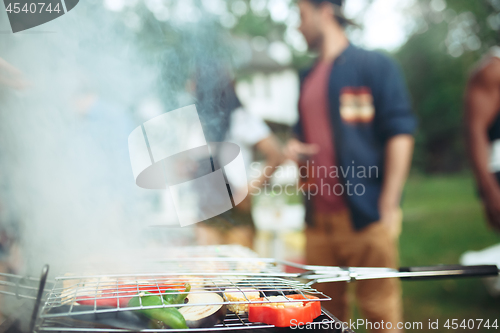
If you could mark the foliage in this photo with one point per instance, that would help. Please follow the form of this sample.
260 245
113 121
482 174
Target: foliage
436 63
436 82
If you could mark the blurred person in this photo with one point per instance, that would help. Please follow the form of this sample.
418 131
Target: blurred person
224 119
483 132
354 115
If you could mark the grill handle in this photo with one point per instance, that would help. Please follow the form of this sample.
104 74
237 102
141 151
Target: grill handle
448 271
38 301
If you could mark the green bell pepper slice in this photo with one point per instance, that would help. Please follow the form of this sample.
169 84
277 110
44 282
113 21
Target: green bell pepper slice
170 316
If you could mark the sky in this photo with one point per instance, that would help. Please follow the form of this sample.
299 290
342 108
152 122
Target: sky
385 22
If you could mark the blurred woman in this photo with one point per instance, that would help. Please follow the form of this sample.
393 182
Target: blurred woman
224 119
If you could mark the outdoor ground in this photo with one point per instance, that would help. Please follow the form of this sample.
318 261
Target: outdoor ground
443 219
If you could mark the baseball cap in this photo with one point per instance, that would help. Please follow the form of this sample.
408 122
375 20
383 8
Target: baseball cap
339 3
339 11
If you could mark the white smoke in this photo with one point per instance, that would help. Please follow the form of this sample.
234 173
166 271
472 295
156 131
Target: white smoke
65 176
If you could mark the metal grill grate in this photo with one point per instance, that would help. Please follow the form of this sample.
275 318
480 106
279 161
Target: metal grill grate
19 286
223 259
232 322
76 299
116 291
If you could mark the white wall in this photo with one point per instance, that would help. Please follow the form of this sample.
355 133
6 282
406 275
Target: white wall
272 97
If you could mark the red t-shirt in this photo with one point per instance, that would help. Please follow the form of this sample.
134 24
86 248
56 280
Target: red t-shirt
315 113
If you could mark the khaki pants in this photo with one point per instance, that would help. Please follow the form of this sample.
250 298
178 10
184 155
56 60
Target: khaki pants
235 226
334 242
239 235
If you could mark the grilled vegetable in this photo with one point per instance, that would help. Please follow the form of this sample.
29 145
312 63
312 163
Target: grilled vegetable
281 312
203 315
121 295
174 297
170 316
240 295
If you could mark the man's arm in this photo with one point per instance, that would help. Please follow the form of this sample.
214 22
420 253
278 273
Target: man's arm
398 156
482 106
396 124
271 149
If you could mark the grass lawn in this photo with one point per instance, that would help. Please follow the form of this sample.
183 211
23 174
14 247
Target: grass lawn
443 219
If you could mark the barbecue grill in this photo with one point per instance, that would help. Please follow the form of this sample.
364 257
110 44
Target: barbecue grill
98 303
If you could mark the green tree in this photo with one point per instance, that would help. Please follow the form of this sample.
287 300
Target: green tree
437 62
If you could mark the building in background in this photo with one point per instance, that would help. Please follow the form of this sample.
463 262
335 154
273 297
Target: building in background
267 87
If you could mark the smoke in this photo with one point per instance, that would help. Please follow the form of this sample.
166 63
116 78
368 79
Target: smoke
66 182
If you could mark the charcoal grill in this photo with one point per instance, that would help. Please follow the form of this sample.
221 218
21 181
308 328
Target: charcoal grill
207 269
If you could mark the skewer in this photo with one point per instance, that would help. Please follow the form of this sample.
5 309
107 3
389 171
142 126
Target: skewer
337 274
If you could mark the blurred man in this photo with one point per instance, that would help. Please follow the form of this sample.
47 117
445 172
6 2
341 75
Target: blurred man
483 132
356 124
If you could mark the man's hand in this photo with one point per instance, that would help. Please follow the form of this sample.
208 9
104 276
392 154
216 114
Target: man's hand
398 154
491 201
296 150
246 204
391 217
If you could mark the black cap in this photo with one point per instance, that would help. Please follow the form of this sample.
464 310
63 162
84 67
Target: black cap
339 13
335 2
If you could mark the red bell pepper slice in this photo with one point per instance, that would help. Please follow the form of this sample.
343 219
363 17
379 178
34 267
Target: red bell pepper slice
122 294
282 317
